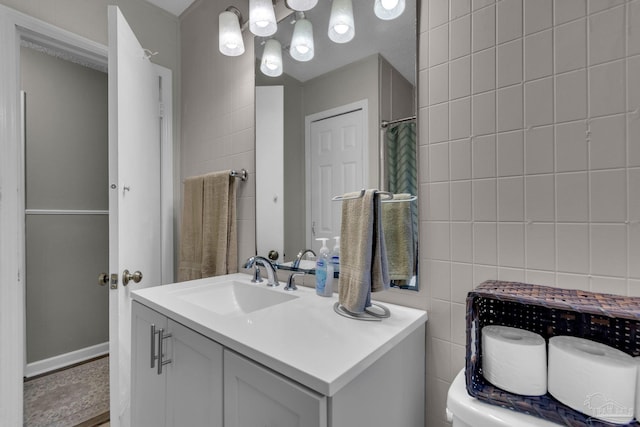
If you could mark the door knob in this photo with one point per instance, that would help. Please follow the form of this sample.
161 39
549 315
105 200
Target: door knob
103 279
126 276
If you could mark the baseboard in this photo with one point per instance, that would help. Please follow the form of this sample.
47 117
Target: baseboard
71 358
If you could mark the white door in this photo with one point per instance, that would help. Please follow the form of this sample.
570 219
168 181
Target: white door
337 166
134 198
270 169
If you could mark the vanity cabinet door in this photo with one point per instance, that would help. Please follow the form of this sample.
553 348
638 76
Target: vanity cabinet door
194 379
147 387
257 397
188 389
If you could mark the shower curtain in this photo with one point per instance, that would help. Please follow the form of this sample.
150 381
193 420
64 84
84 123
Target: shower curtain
402 170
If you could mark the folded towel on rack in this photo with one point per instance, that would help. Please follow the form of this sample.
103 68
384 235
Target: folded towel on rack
208 245
190 266
219 241
363 259
398 235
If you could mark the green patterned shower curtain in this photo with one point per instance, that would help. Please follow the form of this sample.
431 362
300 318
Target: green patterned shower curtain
402 169
401 164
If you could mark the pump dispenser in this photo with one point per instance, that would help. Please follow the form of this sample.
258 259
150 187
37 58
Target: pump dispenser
324 270
335 255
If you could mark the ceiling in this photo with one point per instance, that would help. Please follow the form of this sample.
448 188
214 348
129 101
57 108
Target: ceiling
175 7
395 40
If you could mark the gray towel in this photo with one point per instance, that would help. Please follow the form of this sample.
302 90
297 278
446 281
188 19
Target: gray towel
363 258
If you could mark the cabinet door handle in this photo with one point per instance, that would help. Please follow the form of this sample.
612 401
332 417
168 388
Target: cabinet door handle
153 346
161 338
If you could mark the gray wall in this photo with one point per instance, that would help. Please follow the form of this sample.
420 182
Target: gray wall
397 94
66 169
354 82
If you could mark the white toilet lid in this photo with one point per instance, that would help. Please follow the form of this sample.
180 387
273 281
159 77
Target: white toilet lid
480 414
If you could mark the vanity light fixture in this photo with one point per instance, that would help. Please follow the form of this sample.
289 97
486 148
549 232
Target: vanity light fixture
388 9
230 40
341 28
301 5
271 64
302 48
262 18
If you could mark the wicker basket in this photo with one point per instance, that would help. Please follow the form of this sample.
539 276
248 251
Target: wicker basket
609 319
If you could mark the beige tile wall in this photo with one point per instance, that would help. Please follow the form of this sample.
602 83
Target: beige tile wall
530 155
218 109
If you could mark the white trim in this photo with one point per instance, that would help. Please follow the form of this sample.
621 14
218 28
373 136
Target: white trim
64 212
343 109
166 167
64 360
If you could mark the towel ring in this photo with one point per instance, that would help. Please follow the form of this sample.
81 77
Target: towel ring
361 194
410 199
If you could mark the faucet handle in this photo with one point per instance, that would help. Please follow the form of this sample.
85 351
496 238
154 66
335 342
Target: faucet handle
291 282
257 278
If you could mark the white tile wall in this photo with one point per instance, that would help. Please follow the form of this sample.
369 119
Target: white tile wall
539 161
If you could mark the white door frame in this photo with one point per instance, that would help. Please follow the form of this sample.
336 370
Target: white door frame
308 120
16 27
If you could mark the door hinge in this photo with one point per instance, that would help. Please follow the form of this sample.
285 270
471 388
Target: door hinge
161 109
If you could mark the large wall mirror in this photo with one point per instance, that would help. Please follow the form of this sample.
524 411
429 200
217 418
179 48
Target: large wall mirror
342 121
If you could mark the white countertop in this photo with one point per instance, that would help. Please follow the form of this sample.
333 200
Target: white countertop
303 339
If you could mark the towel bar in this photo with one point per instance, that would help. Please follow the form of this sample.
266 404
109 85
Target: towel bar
242 174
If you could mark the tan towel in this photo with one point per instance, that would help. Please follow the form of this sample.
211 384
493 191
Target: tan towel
219 241
209 245
191 230
398 236
363 263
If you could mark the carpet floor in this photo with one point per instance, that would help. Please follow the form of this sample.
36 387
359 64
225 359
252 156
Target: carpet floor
70 397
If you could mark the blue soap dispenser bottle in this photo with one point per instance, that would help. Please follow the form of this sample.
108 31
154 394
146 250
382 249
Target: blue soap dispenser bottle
324 270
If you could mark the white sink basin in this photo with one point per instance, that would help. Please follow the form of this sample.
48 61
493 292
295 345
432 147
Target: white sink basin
232 297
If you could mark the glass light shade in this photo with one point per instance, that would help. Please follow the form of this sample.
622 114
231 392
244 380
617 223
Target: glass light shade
302 48
341 28
262 18
388 9
302 5
230 40
271 64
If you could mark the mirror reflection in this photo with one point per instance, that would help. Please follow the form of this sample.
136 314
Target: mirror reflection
339 122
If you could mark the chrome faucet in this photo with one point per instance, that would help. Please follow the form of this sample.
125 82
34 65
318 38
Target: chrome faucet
296 262
272 277
291 283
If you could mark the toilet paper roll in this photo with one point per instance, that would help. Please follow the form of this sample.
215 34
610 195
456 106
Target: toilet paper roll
593 378
514 360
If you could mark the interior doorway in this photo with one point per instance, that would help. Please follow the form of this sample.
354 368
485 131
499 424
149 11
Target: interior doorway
66 209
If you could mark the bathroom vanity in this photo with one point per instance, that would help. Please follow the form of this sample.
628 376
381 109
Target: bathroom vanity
223 351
